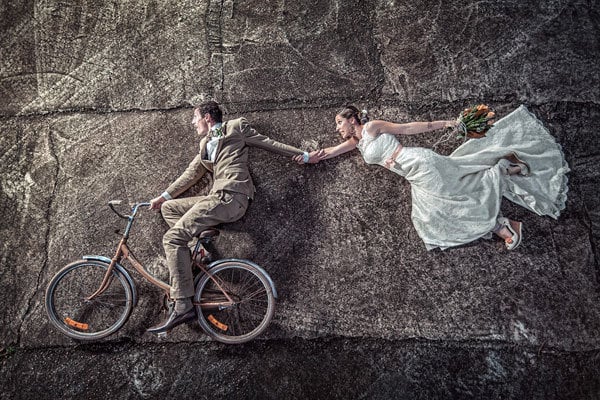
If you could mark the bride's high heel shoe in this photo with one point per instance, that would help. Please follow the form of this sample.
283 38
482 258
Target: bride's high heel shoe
516 230
516 161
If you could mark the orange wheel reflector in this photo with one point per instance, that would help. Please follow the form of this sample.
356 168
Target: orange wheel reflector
75 324
216 323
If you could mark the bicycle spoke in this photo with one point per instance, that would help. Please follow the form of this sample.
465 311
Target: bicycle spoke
258 292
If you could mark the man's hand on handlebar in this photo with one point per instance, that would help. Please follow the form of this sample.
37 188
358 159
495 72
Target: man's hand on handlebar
156 203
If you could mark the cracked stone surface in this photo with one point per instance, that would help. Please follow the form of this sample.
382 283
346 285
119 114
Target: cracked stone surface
96 103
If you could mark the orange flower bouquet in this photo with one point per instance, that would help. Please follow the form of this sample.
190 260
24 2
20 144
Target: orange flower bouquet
474 122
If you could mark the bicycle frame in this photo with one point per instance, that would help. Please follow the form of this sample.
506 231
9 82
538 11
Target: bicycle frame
123 252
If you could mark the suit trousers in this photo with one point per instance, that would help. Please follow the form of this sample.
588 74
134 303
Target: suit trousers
187 218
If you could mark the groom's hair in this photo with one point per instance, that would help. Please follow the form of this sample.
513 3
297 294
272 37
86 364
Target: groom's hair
212 108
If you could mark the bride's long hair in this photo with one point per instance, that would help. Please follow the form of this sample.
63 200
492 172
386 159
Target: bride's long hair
350 111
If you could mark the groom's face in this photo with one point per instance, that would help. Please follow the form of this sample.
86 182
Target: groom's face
344 127
200 123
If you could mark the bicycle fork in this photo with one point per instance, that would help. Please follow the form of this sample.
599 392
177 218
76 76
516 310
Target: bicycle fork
109 270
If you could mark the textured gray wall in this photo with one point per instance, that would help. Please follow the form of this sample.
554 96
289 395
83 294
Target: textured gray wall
95 104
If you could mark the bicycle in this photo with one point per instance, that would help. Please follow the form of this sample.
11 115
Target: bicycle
92 298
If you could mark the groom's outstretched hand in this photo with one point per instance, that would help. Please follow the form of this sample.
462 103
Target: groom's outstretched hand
156 203
313 157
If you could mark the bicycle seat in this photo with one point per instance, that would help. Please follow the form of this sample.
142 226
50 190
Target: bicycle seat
208 234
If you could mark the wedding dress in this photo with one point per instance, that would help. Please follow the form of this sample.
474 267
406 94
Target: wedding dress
456 199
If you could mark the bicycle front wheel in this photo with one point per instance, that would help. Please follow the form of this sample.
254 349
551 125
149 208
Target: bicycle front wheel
248 310
74 315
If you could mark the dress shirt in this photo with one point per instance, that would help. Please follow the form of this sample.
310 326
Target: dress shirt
211 145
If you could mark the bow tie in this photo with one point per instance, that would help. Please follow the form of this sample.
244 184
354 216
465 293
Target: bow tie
215 133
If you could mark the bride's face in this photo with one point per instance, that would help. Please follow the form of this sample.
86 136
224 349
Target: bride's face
346 129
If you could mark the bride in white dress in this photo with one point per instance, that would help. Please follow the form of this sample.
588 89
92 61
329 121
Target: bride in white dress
456 199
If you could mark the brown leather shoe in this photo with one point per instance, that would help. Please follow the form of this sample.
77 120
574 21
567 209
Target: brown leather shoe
172 321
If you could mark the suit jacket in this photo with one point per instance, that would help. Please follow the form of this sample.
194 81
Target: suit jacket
230 168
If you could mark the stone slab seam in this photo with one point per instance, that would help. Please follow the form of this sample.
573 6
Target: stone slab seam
48 217
297 104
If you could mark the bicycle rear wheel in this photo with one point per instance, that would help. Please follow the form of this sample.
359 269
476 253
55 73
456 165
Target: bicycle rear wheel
252 308
79 318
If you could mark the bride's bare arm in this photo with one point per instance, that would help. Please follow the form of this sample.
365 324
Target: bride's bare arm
376 127
329 152
344 147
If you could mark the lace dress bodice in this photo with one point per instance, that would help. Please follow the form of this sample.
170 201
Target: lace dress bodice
375 150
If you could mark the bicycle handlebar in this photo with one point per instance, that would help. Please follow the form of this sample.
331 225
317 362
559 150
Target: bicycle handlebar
134 208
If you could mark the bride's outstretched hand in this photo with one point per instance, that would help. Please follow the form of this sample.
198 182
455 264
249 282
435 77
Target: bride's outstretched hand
451 124
316 156
313 157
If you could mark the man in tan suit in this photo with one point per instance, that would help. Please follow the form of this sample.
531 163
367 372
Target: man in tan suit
224 152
